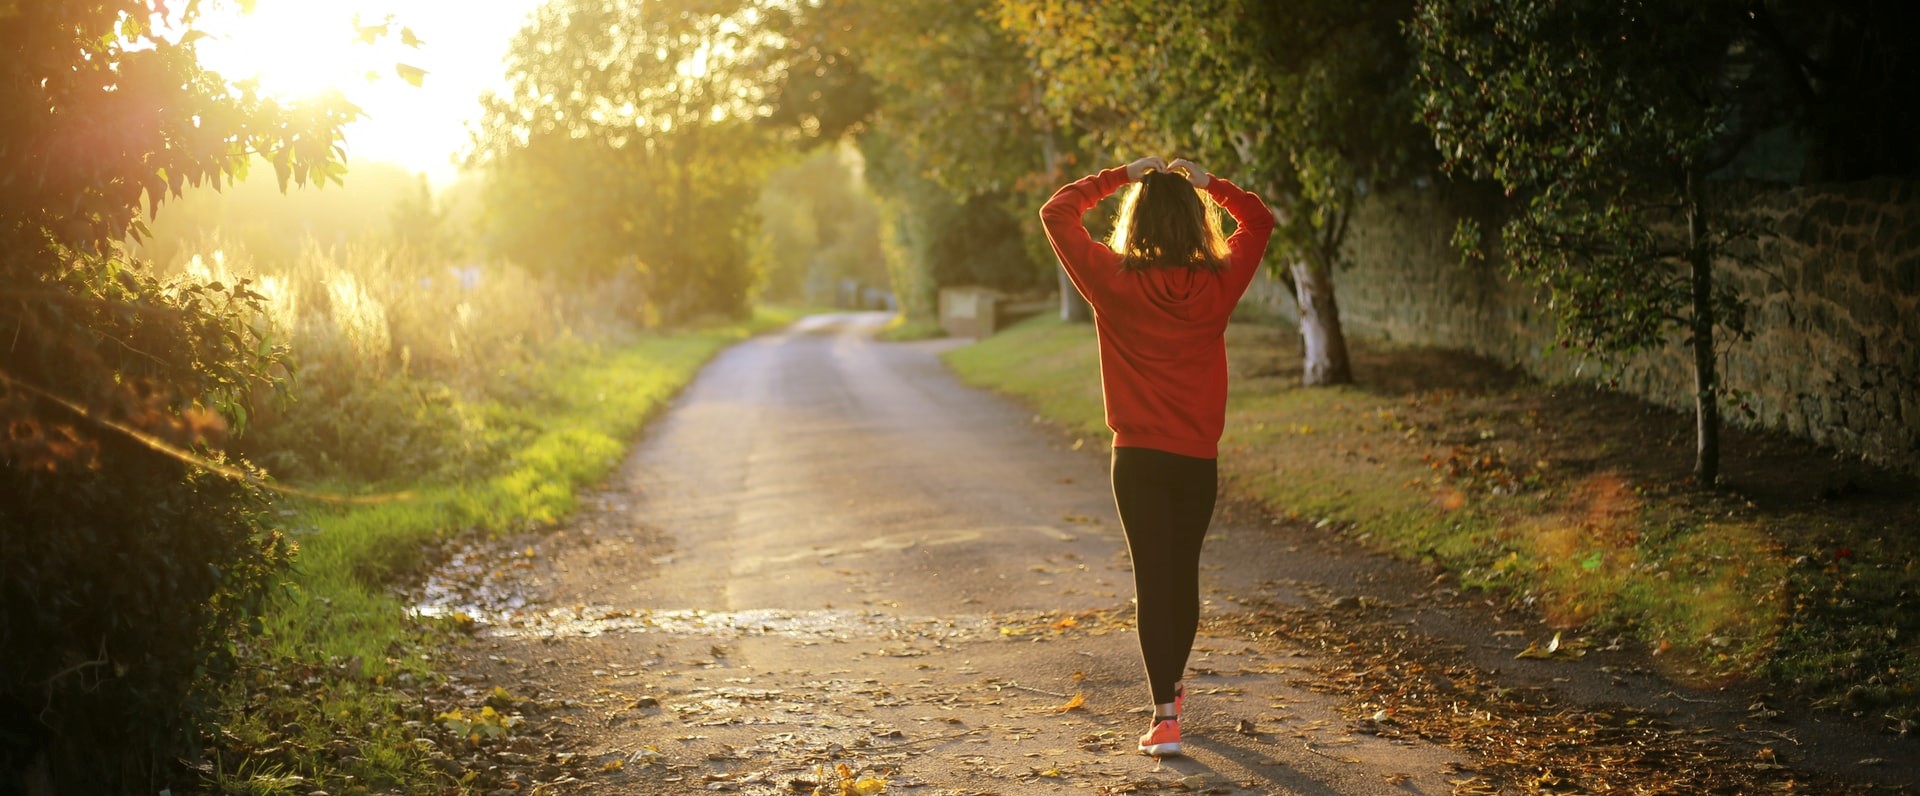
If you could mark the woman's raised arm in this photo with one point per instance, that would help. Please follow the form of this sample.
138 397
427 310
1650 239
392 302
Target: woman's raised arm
1084 258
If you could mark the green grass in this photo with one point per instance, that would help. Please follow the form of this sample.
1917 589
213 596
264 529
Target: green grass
1515 489
340 652
901 330
1053 366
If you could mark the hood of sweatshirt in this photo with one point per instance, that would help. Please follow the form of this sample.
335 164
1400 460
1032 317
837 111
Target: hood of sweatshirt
1185 293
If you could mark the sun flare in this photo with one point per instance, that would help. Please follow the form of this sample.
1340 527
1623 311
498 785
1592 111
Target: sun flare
291 49
375 52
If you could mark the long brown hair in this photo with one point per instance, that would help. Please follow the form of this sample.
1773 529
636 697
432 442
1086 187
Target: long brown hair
1163 222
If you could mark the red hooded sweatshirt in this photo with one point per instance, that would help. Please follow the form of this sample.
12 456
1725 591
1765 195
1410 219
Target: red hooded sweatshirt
1163 348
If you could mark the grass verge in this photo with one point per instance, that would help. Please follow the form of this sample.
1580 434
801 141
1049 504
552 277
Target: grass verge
337 692
1801 571
902 330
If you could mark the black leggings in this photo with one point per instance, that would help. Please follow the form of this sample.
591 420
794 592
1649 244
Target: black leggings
1165 502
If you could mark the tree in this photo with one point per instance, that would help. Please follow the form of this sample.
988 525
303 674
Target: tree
959 103
1607 120
819 226
272 226
626 142
1304 102
130 554
955 141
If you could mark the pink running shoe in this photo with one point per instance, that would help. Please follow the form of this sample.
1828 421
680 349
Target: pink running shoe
1163 740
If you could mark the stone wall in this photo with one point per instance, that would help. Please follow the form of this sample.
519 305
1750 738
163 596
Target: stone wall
1834 292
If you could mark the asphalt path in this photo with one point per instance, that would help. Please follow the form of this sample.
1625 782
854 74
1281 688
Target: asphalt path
829 551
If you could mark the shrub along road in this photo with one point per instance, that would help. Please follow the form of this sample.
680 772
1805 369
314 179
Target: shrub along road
832 568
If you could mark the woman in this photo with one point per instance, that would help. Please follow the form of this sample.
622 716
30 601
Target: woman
1161 296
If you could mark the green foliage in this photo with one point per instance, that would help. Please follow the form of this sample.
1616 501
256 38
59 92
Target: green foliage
819 225
340 656
1606 121
940 238
816 90
126 587
1045 363
126 573
957 95
108 116
954 140
378 205
1305 102
381 431
1583 111
901 329
639 166
397 363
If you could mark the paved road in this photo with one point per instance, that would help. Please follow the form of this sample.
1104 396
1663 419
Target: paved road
830 551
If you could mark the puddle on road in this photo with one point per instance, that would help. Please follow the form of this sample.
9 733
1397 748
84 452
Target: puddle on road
477 581
589 621
484 582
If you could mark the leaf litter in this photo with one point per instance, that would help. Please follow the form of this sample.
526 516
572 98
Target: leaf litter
1397 687
1526 742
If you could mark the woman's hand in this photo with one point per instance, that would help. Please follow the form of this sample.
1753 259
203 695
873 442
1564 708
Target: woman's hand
1139 168
1195 174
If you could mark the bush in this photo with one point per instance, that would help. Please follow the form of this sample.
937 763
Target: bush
379 431
398 365
126 587
130 554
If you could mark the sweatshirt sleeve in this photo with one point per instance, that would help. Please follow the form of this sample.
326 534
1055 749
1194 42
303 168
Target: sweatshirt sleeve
1086 261
1249 242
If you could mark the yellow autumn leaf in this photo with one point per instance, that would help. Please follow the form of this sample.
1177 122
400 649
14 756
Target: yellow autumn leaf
1533 650
410 73
1078 701
867 786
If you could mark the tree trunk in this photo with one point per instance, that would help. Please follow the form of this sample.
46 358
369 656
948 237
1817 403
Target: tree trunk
1325 360
1320 334
1073 307
1706 404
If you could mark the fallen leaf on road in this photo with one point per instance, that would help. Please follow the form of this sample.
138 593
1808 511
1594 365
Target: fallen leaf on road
1553 649
1077 702
845 783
